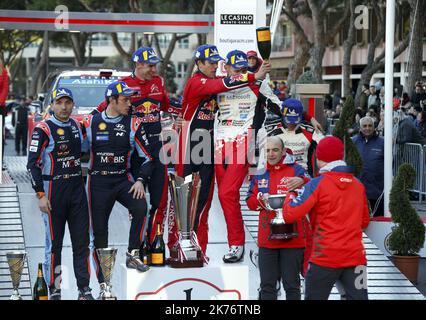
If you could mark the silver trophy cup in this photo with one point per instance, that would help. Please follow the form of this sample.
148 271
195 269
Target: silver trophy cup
106 258
16 261
184 194
279 229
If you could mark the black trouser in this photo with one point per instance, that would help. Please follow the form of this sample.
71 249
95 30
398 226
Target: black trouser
69 205
320 281
103 191
280 263
3 114
157 186
21 134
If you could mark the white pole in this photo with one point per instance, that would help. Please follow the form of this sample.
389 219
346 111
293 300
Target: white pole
389 51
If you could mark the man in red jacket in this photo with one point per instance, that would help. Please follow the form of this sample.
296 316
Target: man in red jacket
277 258
196 147
338 212
4 91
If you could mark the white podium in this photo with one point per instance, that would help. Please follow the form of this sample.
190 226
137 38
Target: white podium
212 282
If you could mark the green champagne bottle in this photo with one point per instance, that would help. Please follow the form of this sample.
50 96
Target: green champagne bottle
146 251
158 249
40 287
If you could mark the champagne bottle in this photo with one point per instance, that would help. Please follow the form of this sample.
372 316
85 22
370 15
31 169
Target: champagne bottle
146 250
263 36
40 286
158 249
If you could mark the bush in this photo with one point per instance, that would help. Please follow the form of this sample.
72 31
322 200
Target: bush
341 130
408 235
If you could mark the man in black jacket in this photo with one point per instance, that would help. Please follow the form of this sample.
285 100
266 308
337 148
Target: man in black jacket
20 122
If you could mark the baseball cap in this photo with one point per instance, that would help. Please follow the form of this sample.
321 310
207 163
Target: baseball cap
251 53
237 59
146 55
292 110
207 52
330 149
118 88
60 92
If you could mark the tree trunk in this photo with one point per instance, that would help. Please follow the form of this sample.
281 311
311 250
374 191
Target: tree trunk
301 59
415 58
40 67
347 47
78 42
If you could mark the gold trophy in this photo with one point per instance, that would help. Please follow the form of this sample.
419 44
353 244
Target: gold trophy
106 258
279 229
16 261
186 253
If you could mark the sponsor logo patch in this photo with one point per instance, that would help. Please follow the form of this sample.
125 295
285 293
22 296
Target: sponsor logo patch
33 149
102 126
34 143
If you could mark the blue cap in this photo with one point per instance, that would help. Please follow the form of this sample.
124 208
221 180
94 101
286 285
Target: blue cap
60 92
292 110
237 59
118 88
207 52
145 55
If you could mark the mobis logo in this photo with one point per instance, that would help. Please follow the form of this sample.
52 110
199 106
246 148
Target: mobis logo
236 19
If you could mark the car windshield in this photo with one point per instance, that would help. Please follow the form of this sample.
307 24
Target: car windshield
88 91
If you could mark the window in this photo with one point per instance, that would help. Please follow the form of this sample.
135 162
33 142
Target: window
181 70
183 43
164 40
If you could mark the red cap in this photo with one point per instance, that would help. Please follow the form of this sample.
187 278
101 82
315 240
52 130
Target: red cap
330 149
251 53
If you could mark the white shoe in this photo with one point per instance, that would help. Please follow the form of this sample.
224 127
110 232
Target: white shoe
235 254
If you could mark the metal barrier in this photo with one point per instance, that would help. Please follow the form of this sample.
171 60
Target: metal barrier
413 154
331 123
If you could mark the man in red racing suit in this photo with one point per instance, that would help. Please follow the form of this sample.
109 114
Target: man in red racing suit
198 113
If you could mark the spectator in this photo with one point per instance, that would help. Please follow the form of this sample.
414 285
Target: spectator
381 126
373 113
363 98
382 96
421 117
405 101
355 128
419 94
20 122
371 148
254 61
338 111
414 112
280 91
407 131
4 91
372 98
336 98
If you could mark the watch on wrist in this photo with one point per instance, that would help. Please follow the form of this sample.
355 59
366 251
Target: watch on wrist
141 180
40 195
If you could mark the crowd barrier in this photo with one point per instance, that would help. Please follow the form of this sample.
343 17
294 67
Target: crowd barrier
413 154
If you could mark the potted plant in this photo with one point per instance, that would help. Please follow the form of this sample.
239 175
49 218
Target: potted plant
408 234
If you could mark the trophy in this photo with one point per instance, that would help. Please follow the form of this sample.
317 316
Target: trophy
279 229
16 260
106 258
186 252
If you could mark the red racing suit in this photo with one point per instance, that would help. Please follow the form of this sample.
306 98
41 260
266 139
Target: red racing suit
241 114
338 213
150 99
272 181
198 112
302 142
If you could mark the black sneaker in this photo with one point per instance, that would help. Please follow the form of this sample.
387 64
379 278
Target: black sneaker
85 294
133 261
235 254
55 294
